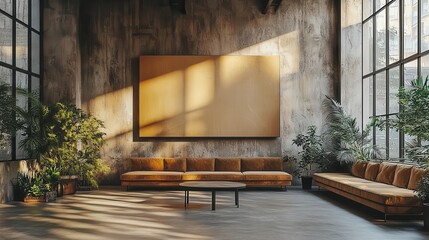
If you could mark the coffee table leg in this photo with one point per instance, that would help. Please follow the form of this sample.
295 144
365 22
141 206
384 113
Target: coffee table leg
237 199
187 199
213 200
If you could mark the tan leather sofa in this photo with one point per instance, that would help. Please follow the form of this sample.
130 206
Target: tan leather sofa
264 171
386 187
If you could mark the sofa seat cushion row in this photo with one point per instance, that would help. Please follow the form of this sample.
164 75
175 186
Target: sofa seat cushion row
151 176
206 176
375 191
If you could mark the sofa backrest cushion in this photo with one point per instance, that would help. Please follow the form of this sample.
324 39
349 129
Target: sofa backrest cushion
358 169
402 176
386 173
147 164
200 164
371 171
175 164
262 164
415 176
228 164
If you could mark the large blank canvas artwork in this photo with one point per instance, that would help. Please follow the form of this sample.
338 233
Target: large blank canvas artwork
209 96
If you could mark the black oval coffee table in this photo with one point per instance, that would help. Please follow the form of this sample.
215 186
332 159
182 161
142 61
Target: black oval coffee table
212 186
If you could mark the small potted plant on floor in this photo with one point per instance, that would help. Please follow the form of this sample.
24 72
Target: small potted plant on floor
422 193
312 156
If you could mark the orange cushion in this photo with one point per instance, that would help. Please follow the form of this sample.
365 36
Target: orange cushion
200 164
358 169
267 176
147 164
371 171
152 176
261 164
228 164
415 176
386 173
402 176
175 164
212 176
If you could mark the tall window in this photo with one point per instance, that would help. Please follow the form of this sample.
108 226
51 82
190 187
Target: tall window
395 35
20 44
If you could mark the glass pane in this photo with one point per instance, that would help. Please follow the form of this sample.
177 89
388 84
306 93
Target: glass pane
410 73
5 142
35 52
424 61
6 5
35 85
424 25
22 102
393 144
380 91
22 10
368 47
21 46
380 40
5 39
35 14
379 4
410 27
367 8
380 141
394 32
368 99
394 83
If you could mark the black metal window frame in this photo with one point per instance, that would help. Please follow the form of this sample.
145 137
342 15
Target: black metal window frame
29 71
400 63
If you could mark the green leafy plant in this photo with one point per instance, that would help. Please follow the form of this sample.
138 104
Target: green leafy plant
33 186
7 120
422 190
313 155
412 118
74 141
344 137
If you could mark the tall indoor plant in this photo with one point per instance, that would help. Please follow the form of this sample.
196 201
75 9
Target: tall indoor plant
344 137
312 156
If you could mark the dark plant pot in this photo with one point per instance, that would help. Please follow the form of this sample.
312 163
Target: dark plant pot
307 182
426 216
18 195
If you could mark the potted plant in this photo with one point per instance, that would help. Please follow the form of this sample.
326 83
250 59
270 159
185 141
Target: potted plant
35 188
422 192
344 138
312 155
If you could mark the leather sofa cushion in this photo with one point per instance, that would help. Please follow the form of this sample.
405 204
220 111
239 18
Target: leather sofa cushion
152 176
370 190
175 164
358 169
371 171
147 164
200 164
386 173
415 176
267 176
228 164
402 176
212 176
261 164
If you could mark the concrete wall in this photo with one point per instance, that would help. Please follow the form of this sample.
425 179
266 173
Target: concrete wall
351 57
92 48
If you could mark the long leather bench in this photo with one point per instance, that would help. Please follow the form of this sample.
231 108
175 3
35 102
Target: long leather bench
385 187
263 171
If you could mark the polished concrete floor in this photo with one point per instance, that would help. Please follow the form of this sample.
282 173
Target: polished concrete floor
112 213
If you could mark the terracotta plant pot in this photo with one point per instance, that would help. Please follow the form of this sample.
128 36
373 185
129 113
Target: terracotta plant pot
48 197
68 185
307 182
